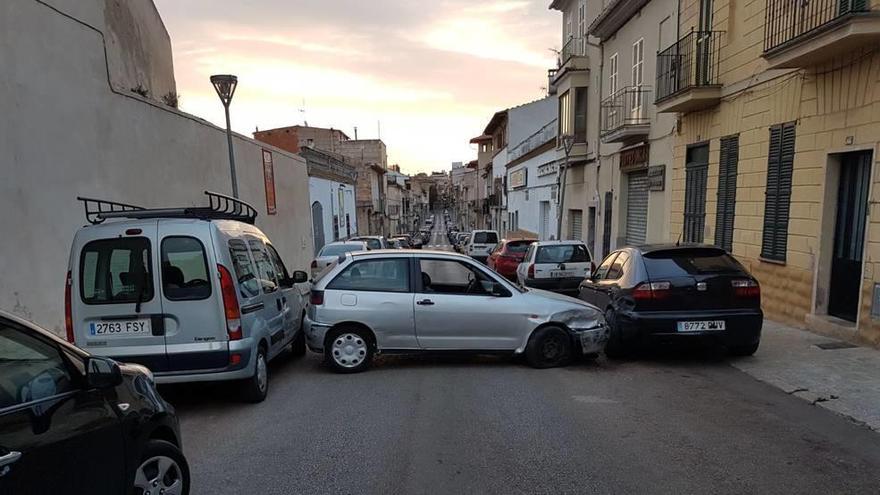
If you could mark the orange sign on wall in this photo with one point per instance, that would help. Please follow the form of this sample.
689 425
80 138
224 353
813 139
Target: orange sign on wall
269 176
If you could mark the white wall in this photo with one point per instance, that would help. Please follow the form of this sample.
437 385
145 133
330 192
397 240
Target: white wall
326 192
65 133
539 189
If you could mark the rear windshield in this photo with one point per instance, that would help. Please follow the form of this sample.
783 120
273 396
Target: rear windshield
518 247
678 262
115 271
485 238
337 249
372 243
565 253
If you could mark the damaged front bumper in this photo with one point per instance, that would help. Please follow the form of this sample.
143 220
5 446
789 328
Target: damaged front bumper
592 340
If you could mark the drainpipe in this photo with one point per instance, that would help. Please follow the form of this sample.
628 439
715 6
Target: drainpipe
601 48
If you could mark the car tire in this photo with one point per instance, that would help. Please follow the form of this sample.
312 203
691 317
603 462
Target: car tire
162 466
549 347
744 350
348 350
298 346
616 348
256 388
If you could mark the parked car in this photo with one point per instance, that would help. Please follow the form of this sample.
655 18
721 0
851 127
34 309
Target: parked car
393 244
373 241
507 255
479 244
462 241
667 292
330 252
107 419
194 294
558 266
437 301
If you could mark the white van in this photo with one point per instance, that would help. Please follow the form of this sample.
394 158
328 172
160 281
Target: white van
480 243
558 266
194 294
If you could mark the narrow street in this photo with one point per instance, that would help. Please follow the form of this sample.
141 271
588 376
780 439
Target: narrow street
669 423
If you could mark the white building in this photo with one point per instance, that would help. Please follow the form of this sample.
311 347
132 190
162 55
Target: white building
332 196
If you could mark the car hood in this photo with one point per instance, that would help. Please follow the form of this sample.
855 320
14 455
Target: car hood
563 309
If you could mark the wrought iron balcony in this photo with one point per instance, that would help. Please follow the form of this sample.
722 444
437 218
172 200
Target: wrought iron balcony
800 33
688 73
624 115
574 47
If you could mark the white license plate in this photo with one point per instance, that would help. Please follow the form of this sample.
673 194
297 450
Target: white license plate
120 328
560 274
701 326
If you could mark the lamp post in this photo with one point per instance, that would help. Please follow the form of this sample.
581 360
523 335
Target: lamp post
225 85
567 144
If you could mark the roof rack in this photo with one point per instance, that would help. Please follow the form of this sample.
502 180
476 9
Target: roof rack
220 207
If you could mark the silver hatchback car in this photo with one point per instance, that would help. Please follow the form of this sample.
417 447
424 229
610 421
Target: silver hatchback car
410 301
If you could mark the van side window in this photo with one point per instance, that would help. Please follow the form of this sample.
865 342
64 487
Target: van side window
184 269
244 269
265 269
280 269
116 271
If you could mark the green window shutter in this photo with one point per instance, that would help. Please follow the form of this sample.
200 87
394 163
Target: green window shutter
726 207
780 166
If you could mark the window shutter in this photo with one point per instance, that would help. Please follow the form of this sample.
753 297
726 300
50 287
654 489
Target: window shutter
726 208
780 166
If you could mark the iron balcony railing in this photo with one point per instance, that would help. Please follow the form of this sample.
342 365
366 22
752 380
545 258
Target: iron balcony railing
625 107
789 20
574 47
535 141
691 62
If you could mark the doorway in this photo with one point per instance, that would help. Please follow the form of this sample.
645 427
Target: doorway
849 235
318 225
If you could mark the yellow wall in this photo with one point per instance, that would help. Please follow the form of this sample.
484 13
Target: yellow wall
834 103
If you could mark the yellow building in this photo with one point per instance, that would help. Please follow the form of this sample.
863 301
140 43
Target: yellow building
776 151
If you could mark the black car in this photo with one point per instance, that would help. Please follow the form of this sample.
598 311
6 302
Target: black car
669 293
74 423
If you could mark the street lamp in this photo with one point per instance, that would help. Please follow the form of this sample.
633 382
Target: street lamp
225 85
567 144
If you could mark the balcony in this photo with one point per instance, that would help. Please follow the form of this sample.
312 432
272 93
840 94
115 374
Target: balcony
687 73
572 57
802 33
624 115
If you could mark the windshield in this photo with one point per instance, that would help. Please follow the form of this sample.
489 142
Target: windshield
485 238
518 247
565 253
337 249
372 242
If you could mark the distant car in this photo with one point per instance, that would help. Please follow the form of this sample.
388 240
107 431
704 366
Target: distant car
558 266
461 241
373 241
58 401
479 244
667 292
393 244
402 242
507 255
330 253
436 301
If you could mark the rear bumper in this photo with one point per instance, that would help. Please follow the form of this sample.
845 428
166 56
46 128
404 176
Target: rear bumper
315 333
244 368
562 285
742 327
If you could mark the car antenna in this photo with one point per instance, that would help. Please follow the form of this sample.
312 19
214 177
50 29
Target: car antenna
678 242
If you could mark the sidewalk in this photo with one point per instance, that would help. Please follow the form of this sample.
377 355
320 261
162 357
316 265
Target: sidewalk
845 380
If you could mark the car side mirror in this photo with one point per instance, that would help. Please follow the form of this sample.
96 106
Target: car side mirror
300 277
102 373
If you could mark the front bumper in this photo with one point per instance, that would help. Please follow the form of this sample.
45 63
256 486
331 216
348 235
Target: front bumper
591 340
742 327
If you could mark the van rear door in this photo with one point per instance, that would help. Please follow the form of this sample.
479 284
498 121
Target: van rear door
195 324
115 303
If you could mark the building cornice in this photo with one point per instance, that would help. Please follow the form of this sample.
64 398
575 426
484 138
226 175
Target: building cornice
614 16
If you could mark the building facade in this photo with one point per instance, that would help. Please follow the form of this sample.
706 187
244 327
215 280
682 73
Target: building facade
332 196
776 151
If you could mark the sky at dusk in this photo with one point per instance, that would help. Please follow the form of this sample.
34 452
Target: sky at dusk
432 72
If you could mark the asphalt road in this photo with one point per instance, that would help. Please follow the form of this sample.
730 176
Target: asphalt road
670 423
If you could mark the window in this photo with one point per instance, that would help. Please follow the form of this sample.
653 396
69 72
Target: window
617 267
338 249
485 238
687 262
778 196
265 269
582 27
31 369
565 120
580 114
602 271
570 253
184 269
612 78
517 247
116 271
372 242
575 224
454 278
280 269
245 272
724 214
380 275
638 77
696 176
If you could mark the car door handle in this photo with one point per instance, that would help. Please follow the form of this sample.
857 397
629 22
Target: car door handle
425 302
9 458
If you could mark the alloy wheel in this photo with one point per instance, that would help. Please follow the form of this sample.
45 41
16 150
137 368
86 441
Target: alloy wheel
158 475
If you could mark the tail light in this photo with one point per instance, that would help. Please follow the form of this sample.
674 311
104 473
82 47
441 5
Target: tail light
230 304
746 288
68 315
531 272
316 298
651 291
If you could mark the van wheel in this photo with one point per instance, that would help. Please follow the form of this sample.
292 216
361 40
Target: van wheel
161 469
298 346
256 388
348 350
549 347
